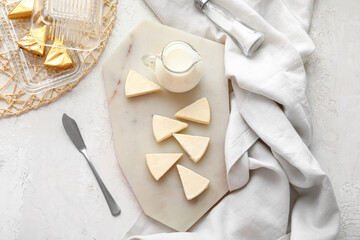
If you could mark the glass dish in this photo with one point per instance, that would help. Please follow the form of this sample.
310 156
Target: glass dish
31 73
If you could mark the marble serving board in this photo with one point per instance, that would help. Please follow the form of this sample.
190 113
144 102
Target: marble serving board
131 121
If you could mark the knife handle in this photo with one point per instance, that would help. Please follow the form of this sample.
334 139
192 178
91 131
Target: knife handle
114 208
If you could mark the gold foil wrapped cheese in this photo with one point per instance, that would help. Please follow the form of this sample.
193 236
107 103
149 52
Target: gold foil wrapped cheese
22 10
29 44
58 57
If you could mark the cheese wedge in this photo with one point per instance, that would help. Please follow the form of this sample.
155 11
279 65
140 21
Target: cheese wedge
194 146
164 127
136 85
29 44
198 111
193 183
58 57
159 164
22 10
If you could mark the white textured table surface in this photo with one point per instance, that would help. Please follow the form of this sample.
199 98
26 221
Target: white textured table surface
48 192
334 94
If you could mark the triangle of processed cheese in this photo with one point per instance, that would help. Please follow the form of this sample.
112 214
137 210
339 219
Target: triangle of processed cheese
193 183
164 127
136 85
194 146
159 164
198 111
58 57
22 10
29 44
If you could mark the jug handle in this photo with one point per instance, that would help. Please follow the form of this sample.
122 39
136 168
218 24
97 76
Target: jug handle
150 61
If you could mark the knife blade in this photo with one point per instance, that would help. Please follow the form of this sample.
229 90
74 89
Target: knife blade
73 131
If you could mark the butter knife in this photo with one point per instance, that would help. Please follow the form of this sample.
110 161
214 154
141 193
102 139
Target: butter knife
73 131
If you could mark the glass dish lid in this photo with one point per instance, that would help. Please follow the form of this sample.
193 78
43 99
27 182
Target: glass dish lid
76 23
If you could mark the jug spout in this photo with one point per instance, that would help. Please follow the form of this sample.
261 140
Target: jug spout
196 57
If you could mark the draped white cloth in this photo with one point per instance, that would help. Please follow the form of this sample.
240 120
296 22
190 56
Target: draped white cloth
278 188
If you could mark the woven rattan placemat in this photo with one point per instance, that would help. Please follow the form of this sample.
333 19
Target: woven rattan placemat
14 101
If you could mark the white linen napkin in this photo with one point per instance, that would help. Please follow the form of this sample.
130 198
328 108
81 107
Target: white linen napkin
266 149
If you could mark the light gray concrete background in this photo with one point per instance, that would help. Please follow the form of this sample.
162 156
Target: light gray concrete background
48 192
334 93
